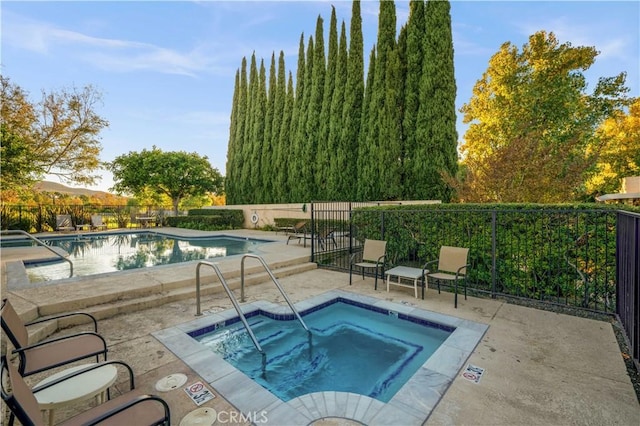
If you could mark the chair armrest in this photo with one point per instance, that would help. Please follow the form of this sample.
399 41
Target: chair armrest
48 341
461 268
125 406
381 258
93 319
132 384
424 267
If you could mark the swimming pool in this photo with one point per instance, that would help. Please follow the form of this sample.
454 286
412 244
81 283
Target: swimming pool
412 403
98 253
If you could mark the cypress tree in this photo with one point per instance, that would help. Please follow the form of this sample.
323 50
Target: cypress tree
365 151
335 120
232 145
299 176
257 137
298 117
283 192
245 188
352 111
324 153
416 29
264 195
314 108
278 112
438 139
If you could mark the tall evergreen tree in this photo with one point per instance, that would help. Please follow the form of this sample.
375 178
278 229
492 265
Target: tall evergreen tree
232 146
416 29
297 120
257 137
346 185
278 116
365 150
283 192
300 174
266 159
438 138
325 153
377 130
313 110
336 120
245 188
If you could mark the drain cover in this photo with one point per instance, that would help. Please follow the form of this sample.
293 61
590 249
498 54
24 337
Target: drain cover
200 416
171 382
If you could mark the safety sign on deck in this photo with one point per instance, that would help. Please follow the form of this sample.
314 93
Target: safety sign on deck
199 393
473 373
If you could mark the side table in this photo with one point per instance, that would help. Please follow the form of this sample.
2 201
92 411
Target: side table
406 272
93 383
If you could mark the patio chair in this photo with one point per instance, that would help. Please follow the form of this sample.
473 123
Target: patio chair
299 232
129 408
452 266
54 352
373 257
96 222
64 223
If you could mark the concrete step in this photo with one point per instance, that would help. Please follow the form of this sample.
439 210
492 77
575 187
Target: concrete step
158 294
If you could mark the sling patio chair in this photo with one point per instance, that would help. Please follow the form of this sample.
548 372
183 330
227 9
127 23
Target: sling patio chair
130 408
373 257
54 352
299 232
96 222
452 266
64 223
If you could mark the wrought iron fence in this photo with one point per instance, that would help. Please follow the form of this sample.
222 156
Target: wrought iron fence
563 257
628 279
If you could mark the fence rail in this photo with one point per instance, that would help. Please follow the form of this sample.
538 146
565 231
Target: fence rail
628 280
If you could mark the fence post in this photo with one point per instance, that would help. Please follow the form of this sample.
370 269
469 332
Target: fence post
313 228
493 254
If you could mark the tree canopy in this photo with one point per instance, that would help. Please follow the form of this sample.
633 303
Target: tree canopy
176 174
532 125
59 135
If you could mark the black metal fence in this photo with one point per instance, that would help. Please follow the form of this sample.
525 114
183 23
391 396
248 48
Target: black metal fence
628 279
564 257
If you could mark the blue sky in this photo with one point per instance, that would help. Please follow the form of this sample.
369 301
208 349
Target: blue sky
166 70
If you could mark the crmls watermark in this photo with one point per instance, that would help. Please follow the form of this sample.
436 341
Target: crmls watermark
230 417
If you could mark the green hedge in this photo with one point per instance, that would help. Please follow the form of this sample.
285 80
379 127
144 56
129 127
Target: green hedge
209 220
560 253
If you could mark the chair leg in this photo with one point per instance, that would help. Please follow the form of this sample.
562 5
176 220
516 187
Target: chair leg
375 286
455 297
350 272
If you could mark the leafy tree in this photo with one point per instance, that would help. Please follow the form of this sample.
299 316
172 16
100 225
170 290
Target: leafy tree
620 152
232 146
176 174
266 157
278 117
532 126
58 135
282 192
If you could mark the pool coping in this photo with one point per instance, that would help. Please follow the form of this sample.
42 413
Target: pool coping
412 404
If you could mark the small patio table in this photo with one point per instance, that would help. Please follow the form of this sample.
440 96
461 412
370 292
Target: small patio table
406 272
78 388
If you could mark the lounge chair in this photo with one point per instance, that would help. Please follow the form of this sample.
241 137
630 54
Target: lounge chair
130 408
373 257
452 266
64 223
299 232
96 222
54 352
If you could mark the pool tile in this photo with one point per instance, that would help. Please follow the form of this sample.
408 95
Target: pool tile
362 407
310 405
446 360
321 405
423 391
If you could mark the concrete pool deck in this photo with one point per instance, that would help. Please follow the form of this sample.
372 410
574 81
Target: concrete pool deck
539 367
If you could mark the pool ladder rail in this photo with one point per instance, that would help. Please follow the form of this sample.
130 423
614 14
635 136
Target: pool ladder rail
40 243
235 302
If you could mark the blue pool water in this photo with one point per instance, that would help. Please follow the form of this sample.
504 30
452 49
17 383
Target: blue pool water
97 253
354 348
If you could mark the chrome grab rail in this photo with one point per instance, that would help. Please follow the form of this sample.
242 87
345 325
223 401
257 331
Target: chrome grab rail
40 243
231 297
275 281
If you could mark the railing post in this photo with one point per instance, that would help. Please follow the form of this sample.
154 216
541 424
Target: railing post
313 230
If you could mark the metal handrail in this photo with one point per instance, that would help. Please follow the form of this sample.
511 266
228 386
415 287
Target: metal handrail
233 301
275 281
41 243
